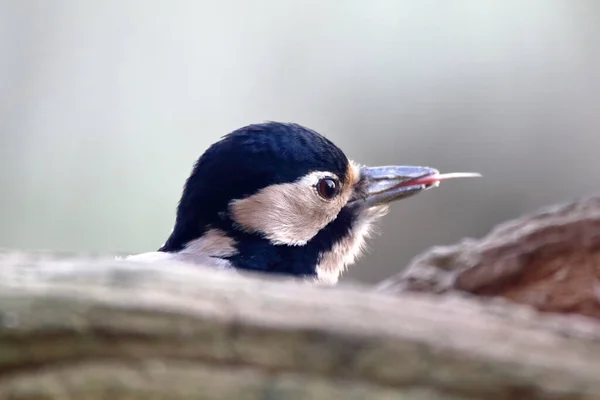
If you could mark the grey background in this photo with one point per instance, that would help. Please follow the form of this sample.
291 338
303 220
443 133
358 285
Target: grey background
105 105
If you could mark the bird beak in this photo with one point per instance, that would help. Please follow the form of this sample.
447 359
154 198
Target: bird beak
382 185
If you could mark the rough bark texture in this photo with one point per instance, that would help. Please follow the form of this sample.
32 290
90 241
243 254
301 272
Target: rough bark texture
89 329
550 260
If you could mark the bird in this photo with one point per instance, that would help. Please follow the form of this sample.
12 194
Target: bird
280 198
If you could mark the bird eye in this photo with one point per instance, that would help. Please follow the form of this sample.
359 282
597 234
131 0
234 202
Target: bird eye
327 188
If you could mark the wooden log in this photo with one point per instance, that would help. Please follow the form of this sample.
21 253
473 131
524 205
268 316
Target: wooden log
91 328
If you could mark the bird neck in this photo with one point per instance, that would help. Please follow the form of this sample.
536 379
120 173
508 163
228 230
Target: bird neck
244 250
324 257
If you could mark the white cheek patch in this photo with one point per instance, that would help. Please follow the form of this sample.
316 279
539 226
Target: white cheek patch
288 213
214 243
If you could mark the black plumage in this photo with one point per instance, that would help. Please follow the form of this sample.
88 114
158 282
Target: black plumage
239 165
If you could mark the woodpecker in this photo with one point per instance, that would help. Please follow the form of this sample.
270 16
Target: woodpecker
281 198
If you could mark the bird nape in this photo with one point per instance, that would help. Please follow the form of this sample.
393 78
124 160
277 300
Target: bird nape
281 198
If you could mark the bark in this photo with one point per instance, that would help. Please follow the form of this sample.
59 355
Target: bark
549 260
92 328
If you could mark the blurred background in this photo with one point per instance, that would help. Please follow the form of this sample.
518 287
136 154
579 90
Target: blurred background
105 106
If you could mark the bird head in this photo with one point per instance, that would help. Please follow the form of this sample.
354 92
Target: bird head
281 198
